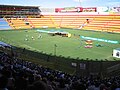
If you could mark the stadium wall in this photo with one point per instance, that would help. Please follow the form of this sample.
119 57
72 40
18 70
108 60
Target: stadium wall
81 67
81 13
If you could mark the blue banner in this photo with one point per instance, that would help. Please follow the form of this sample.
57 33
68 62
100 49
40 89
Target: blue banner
100 39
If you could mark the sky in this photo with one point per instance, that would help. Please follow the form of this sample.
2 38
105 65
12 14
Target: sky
63 3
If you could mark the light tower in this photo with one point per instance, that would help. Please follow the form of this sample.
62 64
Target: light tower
80 3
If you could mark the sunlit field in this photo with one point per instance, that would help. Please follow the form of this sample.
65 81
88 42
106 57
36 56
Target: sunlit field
72 47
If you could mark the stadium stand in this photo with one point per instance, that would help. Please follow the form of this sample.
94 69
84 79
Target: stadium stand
16 16
59 20
19 11
104 23
4 24
18 23
17 74
108 23
98 23
40 22
36 19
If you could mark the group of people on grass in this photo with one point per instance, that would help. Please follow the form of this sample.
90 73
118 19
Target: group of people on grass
27 37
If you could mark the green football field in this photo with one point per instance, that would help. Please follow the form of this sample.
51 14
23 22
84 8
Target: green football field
72 47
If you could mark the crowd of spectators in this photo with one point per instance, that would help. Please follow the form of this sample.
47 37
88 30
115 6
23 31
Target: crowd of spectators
17 74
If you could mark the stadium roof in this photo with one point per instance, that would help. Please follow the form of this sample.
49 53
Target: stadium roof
19 6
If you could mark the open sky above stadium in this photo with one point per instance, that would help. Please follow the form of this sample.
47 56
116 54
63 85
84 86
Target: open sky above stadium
63 3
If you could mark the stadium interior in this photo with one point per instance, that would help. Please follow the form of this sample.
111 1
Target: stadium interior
19 71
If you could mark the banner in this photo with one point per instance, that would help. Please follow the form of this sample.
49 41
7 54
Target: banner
100 39
115 9
76 9
102 9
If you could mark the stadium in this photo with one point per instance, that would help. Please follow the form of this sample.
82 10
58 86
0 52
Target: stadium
58 44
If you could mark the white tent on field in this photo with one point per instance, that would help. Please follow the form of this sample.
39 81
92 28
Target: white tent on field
116 53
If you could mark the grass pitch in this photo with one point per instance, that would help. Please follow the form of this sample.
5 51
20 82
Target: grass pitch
72 47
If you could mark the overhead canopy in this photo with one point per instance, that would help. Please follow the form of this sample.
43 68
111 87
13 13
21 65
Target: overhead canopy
2 44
